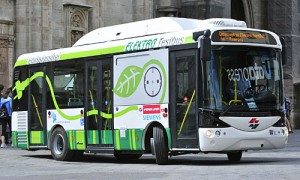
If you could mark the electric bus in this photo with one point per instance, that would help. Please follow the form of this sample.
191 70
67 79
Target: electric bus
166 86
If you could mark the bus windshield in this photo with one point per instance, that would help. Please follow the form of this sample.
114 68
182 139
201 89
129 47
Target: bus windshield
243 79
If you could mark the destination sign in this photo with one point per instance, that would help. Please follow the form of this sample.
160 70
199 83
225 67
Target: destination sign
242 36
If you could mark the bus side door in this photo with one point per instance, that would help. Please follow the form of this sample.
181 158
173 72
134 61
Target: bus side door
99 122
183 99
37 124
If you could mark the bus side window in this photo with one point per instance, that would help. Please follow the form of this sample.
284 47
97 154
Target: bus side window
68 85
20 104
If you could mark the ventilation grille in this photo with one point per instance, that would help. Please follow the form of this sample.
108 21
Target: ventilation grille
22 121
22 127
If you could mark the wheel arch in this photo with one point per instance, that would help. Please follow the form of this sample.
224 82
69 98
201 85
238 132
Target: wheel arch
51 131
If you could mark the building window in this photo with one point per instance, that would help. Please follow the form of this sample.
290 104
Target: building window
77 22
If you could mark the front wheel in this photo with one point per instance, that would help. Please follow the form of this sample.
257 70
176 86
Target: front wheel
59 145
234 156
160 146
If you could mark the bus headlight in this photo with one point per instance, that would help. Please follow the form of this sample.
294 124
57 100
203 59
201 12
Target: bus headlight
209 133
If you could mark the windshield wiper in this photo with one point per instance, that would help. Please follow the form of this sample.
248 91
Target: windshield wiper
223 113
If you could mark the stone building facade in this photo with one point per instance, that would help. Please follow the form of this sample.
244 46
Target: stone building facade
36 25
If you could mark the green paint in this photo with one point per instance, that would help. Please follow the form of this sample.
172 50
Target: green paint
89 53
93 137
18 140
131 46
76 140
123 93
80 140
132 140
126 110
36 137
168 130
21 62
20 86
128 81
188 39
117 140
107 136
140 45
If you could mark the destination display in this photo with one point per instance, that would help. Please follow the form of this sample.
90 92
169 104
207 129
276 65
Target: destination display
242 36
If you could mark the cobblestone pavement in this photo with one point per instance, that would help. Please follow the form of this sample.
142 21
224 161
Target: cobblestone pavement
271 164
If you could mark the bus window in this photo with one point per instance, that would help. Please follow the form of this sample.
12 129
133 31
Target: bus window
20 104
185 96
68 85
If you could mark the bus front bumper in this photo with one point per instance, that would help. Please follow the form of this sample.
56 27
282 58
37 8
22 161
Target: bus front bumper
230 139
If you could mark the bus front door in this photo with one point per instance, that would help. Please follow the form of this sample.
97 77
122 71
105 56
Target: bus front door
99 123
37 125
183 100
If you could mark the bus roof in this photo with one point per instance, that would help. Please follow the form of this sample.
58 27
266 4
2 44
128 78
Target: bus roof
146 34
151 27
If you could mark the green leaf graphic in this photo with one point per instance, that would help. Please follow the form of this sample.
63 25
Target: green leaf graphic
128 81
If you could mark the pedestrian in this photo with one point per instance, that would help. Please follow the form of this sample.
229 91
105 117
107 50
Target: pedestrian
5 115
287 114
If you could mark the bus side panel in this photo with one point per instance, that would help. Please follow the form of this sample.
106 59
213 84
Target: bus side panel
141 95
73 123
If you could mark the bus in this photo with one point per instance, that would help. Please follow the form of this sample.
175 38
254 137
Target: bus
165 86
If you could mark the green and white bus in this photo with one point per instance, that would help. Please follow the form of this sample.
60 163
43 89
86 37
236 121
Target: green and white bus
166 86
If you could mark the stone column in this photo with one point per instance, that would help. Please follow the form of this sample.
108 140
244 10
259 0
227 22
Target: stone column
7 57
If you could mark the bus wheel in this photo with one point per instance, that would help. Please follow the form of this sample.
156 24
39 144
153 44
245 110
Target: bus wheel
127 156
234 156
59 145
159 145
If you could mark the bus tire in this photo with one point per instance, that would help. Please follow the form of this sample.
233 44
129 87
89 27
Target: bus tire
59 145
159 144
127 156
234 156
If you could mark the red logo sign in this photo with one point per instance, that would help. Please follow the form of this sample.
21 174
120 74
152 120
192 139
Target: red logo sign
254 123
151 109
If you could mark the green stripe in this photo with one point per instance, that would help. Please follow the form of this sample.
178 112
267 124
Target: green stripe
188 39
95 134
70 140
21 62
129 138
92 52
103 135
117 139
133 139
126 110
168 130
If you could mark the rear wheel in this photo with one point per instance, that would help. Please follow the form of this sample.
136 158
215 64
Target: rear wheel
234 156
159 144
59 145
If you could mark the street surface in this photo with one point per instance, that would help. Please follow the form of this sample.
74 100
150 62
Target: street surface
269 165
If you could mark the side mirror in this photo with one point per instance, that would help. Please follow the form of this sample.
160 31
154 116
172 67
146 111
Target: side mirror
205 47
204 43
283 52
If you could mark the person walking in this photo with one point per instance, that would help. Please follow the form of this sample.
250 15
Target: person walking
5 115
